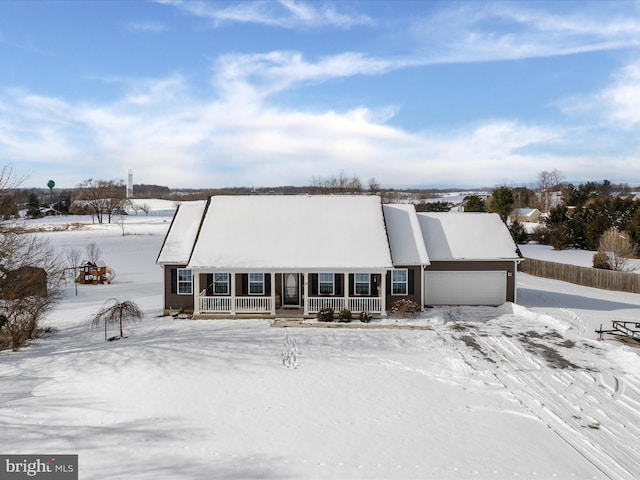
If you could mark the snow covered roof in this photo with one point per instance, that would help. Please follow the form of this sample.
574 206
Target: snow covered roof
405 236
182 233
526 212
466 236
293 232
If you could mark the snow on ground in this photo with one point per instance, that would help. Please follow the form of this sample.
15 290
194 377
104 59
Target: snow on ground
582 258
520 391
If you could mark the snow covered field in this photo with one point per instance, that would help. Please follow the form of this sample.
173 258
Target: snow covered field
518 391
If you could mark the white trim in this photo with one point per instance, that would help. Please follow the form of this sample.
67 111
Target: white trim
227 282
356 282
184 282
262 283
406 282
333 284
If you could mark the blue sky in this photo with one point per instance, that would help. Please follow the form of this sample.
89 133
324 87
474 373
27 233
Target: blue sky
265 93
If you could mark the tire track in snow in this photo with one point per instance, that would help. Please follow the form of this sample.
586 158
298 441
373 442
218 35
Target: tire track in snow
564 400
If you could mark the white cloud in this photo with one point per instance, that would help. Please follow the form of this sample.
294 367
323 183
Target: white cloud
284 13
481 32
145 26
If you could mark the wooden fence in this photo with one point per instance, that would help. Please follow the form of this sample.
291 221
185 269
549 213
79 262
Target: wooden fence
587 276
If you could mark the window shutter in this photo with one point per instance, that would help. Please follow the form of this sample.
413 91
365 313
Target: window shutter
411 279
210 284
388 289
267 284
313 277
351 285
174 280
245 284
339 282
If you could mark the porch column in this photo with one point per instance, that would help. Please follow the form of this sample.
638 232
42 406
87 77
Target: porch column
305 290
345 286
196 291
232 279
273 293
383 293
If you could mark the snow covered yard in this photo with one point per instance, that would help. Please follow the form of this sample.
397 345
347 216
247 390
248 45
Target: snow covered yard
520 391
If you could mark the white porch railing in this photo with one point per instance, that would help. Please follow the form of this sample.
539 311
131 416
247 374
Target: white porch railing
222 304
215 304
253 304
355 304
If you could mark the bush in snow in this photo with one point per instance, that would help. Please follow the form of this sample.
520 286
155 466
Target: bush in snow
404 306
365 317
325 315
344 315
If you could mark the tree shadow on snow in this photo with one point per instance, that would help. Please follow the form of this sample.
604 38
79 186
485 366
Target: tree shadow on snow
529 297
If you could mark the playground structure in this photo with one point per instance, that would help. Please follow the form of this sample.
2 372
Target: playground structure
95 273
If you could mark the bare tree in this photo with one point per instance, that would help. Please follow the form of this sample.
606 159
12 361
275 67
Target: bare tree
547 183
337 184
614 251
102 197
73 262
114 311
93 252
29 271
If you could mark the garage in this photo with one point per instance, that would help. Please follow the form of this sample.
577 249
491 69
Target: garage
465 288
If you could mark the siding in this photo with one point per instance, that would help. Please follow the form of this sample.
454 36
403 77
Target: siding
172 300
414 287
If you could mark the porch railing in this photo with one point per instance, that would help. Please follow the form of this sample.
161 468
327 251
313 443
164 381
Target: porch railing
222 304
355 304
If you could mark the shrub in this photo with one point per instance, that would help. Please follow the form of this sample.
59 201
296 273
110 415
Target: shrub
325 315
601 260
365 317
518 232
404 306
344 315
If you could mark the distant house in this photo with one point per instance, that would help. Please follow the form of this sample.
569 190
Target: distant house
236 255
526 215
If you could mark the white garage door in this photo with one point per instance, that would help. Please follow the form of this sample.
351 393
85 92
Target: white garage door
465 288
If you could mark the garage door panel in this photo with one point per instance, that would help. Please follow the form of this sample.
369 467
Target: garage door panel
465 288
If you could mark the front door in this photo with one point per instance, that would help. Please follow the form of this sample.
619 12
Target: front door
291 290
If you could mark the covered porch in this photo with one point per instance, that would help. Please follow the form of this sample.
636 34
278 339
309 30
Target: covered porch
273 293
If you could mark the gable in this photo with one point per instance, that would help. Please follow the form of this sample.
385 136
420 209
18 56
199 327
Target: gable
405 237
466 236
182 233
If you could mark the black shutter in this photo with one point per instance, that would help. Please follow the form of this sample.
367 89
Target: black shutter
210 284
411 280
313 277
174 280
339 282
244 290
388 283
267 284
351 285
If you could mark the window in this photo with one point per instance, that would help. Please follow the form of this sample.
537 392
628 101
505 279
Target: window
185 281
362 283
221 284
399 281
325 283
256 284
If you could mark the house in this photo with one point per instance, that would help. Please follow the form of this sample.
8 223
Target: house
236 255
526 215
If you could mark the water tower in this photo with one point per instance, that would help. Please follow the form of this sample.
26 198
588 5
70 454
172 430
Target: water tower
130 184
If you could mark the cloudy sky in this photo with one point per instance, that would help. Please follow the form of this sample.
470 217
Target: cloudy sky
265 93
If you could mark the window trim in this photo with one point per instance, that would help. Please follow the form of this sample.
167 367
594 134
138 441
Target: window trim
326 282
261 282
226 282
181 282
361 282
404 282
